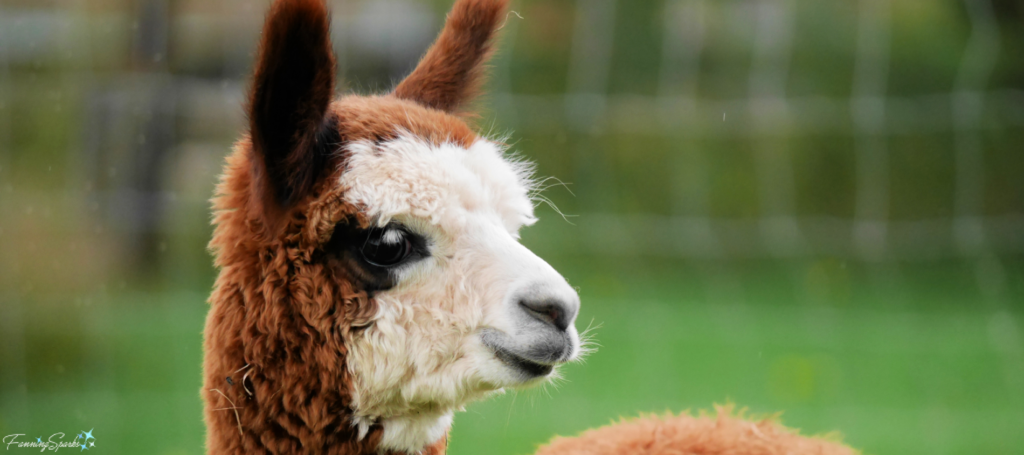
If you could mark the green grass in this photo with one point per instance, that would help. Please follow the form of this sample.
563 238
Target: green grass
893 382
926 365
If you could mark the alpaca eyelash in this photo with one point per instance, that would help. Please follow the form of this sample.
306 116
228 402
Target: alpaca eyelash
395 233
392 236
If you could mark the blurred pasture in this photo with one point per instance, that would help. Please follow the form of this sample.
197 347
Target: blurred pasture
807 206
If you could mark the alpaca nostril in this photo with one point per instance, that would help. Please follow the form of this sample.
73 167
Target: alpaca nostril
553 313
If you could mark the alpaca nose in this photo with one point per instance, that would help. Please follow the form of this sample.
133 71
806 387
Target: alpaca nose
557 309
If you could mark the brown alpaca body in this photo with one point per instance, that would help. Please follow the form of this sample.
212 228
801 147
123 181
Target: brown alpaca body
296 328
724 434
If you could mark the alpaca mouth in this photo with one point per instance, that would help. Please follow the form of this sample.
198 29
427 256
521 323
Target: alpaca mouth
522 364
538 359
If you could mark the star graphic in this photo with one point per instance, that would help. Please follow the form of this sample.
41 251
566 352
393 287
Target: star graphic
92 444
88 435
83 447
39 439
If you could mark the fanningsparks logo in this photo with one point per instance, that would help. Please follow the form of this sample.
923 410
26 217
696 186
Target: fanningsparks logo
83 441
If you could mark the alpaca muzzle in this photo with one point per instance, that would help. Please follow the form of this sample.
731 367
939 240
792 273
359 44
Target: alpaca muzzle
544 335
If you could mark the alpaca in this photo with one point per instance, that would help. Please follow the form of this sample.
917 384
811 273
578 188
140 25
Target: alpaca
371 280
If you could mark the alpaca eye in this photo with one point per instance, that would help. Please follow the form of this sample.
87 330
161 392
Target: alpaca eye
386 248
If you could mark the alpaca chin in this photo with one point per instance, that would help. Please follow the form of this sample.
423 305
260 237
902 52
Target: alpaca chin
411 434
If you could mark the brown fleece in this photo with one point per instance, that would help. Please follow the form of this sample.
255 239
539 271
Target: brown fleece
724 434
381 118
451 72
276 329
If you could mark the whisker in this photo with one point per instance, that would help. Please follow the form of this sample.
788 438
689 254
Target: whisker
554 207
511 408
558 182
588 342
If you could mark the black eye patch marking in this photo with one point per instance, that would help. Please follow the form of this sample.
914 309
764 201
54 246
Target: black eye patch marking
371 257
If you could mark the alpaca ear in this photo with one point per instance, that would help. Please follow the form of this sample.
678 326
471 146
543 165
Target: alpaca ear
451 72
292 88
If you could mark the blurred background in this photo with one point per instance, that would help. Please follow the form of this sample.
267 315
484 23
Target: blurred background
807 206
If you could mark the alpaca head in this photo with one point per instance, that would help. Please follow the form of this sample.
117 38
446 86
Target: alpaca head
385 228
